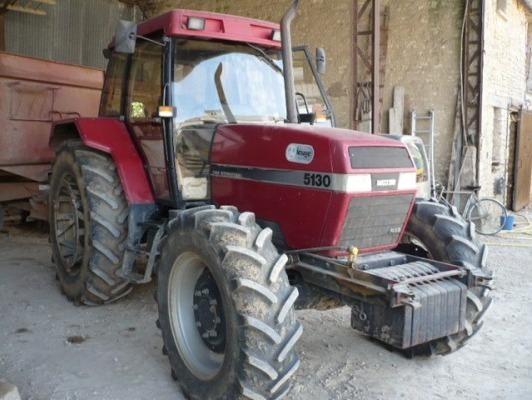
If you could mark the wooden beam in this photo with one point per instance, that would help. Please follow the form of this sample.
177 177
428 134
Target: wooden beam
26 10
49 2
3 6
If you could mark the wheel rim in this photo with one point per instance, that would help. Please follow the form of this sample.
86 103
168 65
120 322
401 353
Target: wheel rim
68 220
196 317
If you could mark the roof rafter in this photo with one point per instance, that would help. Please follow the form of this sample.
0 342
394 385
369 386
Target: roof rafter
25 6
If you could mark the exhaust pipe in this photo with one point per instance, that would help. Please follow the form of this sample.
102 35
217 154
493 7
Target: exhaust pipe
288 64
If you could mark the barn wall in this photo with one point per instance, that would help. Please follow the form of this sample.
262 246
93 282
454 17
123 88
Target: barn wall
73 31
504 90
423 57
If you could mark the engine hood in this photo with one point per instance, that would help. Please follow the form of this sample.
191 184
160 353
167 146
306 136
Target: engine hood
289 147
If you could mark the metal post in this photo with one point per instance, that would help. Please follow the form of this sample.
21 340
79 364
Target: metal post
288 65
376 109
472 59
432 161
366 64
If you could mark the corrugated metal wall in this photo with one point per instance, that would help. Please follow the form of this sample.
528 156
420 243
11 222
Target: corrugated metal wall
73 31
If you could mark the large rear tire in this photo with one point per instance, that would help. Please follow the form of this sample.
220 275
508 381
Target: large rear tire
226 307
88 215
439 232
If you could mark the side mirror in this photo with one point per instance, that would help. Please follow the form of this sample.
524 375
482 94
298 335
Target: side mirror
125 36
321 60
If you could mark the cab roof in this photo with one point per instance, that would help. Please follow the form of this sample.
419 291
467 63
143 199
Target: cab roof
216 26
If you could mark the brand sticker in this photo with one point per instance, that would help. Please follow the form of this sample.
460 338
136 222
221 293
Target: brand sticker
300 153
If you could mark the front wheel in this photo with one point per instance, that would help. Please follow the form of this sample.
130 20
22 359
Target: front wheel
488 215
226 308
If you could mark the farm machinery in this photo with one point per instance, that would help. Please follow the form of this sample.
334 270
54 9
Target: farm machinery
216 168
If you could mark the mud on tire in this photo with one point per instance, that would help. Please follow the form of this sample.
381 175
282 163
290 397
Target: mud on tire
225 307
88 215
439 232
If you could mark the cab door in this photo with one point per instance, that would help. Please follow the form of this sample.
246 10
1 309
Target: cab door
145 88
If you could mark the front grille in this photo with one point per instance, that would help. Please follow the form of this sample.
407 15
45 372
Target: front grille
375 221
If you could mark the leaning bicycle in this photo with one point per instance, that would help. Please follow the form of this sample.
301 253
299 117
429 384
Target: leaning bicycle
487 214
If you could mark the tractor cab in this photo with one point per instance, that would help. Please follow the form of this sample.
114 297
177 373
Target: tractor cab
176 79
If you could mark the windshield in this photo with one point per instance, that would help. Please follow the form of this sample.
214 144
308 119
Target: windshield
218 82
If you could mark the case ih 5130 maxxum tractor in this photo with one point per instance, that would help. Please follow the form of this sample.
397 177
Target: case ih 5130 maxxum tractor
207 168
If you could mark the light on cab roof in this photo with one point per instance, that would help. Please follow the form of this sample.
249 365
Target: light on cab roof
196 24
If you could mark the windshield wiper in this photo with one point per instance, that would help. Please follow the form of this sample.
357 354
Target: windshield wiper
266 57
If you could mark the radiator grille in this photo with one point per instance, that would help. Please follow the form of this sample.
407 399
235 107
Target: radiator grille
375 221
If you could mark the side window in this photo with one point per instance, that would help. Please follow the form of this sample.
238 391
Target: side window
309 96
146 81
114 88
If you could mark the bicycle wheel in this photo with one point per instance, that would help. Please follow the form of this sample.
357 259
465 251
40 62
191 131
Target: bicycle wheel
488 215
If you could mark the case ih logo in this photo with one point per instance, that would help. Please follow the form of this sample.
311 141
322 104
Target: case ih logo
300 153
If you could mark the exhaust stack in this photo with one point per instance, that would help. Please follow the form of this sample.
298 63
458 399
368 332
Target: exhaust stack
288 64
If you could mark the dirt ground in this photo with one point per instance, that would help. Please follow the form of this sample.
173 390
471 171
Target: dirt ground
51 349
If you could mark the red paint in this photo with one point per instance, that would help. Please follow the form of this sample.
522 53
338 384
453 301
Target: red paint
217 26
33 94
265 146
301 212
111 136
309 217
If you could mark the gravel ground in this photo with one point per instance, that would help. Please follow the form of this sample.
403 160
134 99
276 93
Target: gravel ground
51 349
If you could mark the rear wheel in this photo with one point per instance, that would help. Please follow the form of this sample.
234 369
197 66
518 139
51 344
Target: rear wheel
438 232
226 308
88 216
488 215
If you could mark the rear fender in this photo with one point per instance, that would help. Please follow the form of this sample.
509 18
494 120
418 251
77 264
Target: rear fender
112 137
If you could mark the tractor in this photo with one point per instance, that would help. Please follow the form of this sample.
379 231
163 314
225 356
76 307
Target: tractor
214 165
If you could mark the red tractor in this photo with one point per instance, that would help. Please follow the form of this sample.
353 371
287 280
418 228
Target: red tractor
212 166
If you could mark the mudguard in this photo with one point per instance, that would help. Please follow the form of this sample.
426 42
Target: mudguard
112 137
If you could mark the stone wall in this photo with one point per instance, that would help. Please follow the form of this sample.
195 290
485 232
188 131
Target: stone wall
504 89
320 23
423 57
